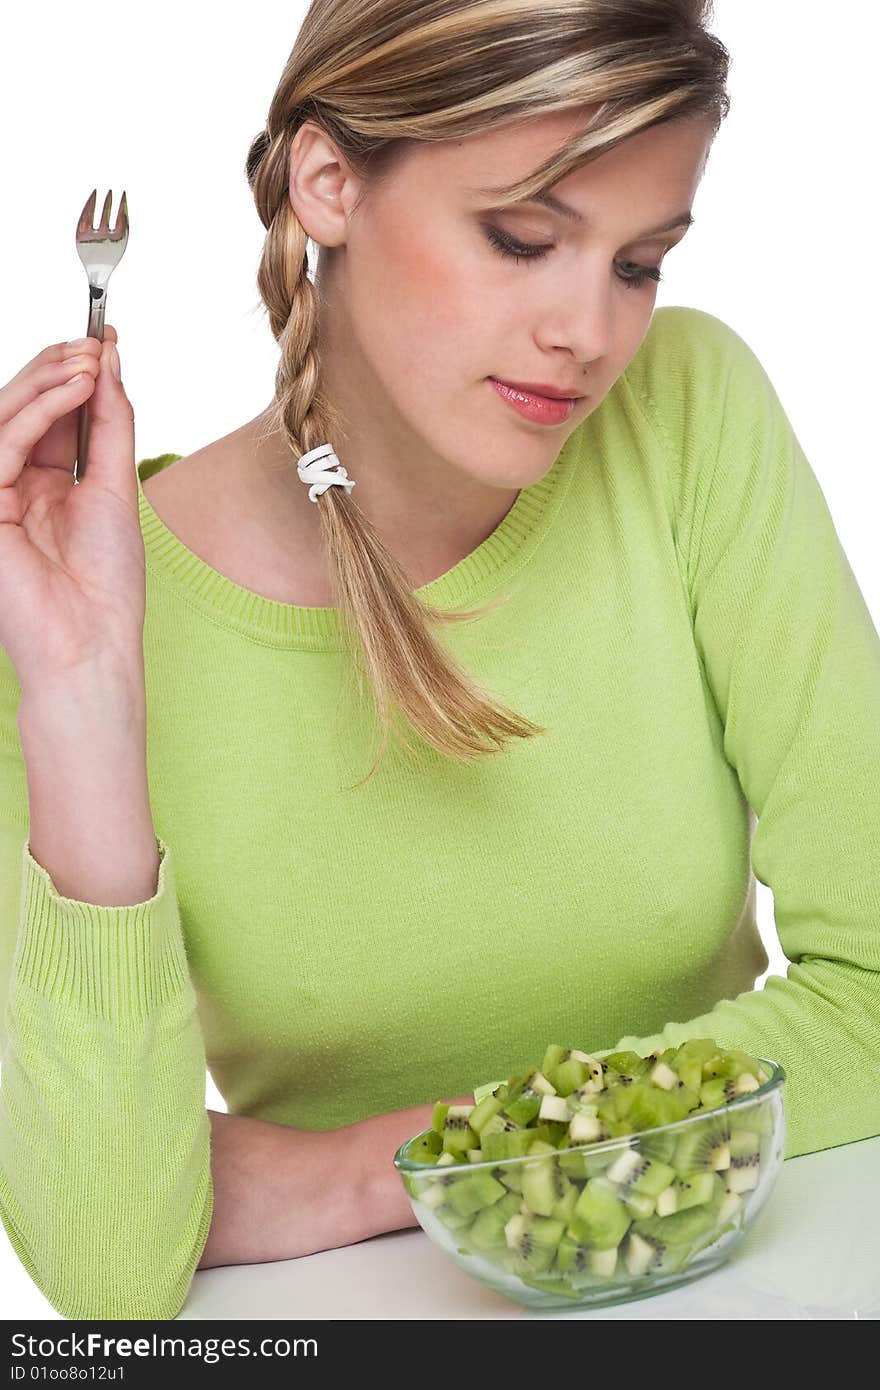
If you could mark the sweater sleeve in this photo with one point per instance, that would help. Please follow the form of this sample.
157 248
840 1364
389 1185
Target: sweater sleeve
105 1178
792 658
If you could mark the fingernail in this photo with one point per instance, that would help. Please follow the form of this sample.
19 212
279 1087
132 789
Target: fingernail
114 362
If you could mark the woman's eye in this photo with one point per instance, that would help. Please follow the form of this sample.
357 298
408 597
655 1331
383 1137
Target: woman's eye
634 275
509 246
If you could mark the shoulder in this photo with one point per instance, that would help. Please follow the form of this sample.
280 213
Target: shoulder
697 387
155 467
696 381
689 349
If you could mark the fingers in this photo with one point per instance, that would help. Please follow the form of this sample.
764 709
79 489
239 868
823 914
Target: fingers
111 437
48 368
35 400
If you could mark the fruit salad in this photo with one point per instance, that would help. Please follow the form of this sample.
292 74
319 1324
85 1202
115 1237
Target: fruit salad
585 1210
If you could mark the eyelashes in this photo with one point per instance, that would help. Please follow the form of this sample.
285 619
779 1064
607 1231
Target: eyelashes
525 251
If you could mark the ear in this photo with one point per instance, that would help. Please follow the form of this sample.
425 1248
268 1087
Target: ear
323 188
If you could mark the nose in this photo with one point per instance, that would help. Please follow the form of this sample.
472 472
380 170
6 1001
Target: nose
578 321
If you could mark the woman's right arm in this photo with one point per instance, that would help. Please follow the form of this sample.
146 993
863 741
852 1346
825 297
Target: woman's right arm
84 749
105 1162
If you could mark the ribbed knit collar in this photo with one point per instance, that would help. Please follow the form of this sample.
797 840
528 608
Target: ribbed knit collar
474 579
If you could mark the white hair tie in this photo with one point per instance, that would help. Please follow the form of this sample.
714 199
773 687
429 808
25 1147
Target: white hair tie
321 468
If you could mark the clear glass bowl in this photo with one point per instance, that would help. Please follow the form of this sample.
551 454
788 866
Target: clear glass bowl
523 1226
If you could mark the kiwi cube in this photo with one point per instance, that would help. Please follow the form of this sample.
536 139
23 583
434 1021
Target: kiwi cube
599 1218
651 1106
468 1194
441 1109
455 1220
626 1064
566 1202
487 1230
507 1144
424 1148
703 1145
639 1204
702 1049
483 1111
636 1170
458 1136
570 1075
524 1107
690 1071
660 1146
552 1057
538 1188
512 1177
533 1240
695 1189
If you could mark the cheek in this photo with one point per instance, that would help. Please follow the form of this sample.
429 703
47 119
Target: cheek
428 310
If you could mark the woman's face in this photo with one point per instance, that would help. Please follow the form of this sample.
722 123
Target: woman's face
420 310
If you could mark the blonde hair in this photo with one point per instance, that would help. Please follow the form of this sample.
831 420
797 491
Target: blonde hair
376 75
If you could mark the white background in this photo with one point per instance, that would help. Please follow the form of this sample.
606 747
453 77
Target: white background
164 99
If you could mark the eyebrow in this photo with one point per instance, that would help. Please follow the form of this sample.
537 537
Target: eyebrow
681 219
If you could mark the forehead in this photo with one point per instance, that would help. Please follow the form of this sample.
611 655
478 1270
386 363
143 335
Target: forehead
507 152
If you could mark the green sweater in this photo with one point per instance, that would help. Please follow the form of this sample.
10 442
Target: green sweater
682 618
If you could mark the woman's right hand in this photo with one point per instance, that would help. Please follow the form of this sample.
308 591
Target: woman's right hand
72 570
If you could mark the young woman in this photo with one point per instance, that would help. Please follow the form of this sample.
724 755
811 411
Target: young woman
424 719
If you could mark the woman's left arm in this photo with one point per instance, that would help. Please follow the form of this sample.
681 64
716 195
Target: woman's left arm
792 657
281 1192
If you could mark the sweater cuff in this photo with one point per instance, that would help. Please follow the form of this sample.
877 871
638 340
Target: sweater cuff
118 963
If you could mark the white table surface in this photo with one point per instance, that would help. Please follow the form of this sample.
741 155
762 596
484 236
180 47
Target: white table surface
814 1252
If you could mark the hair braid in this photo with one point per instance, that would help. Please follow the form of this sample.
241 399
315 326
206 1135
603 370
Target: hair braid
377 606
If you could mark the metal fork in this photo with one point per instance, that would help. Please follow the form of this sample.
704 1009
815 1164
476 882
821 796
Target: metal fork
100 251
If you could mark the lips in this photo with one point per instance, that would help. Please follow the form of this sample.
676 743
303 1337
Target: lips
543 410
537 388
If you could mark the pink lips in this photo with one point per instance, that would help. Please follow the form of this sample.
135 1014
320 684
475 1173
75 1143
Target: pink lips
545 410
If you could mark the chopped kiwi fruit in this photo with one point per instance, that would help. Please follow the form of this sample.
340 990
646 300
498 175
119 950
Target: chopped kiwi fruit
533 1241
546 1189
469 1194
511 1143
615 1103
457 1133
734 1063
441 1110
584 1266
648 1254
525 1175
660 1145
652 1106
483 1112
425 1148
683 1227
569 1076
455 1220
600 1218
690 1191
487 1230
745 1161
552 1057
626 1067
636 1171
704 1145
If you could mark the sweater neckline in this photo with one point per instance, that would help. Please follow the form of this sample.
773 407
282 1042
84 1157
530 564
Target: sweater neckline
473 579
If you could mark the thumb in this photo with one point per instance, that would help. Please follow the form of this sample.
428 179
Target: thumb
111 430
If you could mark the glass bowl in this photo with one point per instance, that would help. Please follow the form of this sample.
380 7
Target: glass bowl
603 1222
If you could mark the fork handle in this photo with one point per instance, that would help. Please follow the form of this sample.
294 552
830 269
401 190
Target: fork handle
97 304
